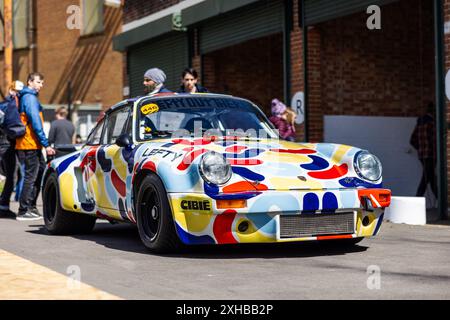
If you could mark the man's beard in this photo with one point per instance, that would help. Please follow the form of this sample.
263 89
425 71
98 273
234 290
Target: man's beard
148 89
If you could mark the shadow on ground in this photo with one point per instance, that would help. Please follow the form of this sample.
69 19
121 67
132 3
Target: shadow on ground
125 237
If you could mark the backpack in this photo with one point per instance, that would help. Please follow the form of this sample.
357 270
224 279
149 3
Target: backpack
10 122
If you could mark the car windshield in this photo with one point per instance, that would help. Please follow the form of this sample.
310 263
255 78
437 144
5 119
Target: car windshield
187 116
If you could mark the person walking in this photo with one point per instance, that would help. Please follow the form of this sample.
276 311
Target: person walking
8 152
189 79
154 81
423 139
283 119
61 131
29 147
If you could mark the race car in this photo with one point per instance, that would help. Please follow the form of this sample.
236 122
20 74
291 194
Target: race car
201 169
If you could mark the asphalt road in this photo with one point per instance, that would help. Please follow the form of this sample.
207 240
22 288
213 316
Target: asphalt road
413 263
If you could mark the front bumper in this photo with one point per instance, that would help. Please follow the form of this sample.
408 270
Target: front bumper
200 219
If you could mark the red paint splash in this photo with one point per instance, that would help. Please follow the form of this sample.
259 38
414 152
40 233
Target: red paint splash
235 149
245 162
222 227
244 186
150 165
118 184
197 142
189 158
294 151
333 173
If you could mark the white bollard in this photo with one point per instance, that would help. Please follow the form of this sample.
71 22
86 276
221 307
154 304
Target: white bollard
408 210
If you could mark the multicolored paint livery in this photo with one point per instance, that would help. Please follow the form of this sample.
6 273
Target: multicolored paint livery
271 179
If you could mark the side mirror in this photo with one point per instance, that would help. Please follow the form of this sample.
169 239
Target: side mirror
124 140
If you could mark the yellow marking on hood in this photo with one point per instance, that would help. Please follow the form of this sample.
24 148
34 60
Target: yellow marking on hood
340 153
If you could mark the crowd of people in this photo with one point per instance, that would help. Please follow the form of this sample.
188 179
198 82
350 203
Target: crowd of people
22 135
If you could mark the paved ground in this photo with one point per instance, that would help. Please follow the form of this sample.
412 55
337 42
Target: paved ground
413 262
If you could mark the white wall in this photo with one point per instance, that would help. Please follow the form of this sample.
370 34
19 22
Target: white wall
387 138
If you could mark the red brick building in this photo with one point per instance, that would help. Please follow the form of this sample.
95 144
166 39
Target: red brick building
366 73
70 42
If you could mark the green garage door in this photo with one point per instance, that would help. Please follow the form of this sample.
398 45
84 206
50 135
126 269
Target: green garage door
317 11
169 54
264 18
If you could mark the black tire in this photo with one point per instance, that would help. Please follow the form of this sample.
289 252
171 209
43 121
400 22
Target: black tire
59 221
154 217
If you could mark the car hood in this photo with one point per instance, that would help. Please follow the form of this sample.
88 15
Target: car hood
268 164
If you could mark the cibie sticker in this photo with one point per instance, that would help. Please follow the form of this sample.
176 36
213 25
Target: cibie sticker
149 108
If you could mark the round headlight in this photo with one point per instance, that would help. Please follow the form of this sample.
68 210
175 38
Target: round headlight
215 169
368 166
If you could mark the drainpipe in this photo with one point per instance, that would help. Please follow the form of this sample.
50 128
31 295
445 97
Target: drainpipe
32 9
8 67
305 64
288 5
441 128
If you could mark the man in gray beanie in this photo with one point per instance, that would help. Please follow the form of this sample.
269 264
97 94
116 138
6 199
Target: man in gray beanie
154 81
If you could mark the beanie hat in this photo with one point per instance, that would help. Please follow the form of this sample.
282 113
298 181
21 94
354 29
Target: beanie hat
278 107
156 75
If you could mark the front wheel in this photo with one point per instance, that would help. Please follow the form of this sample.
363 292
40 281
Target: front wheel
154 217
57 220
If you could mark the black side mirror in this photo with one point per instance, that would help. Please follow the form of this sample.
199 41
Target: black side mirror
124 140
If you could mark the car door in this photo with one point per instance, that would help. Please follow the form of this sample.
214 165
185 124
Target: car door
85 173
113 165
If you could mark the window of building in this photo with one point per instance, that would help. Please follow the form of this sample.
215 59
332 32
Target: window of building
92 17
20 23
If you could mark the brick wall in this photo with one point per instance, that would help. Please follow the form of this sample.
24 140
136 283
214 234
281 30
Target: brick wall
387 72
94 69
137 9
246 71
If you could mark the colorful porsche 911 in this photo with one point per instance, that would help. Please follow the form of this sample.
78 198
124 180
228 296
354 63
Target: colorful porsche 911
211 169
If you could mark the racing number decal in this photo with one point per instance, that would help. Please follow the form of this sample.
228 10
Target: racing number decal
149 108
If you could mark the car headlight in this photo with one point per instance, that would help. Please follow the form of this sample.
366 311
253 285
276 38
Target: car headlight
214 168
368 166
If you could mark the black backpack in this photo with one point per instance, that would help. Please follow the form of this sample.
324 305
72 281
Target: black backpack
10 122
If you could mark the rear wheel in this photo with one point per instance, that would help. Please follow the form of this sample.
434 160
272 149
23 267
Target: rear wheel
57 220
154 217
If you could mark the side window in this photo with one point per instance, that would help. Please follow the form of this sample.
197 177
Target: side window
96 134
129 127
116 125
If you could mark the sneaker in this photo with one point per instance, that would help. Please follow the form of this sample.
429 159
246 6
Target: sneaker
28 216
7 214
34 210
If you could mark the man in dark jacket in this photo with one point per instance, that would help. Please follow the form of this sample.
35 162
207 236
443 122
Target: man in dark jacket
61 131
424 140
189 79
154 81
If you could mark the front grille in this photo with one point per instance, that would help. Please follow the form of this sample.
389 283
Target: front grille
309 225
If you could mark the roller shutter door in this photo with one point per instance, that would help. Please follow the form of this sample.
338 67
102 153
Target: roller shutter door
169 54
254 21
317 11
